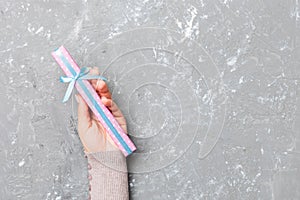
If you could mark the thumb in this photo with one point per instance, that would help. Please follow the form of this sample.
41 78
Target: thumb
84 117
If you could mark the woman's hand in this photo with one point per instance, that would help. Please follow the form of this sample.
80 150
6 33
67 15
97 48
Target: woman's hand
91 132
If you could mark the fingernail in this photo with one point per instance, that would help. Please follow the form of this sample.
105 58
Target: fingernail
103 98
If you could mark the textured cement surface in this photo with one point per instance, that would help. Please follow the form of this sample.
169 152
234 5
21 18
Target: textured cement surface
210 90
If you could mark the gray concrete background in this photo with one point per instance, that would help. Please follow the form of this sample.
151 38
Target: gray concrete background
210 90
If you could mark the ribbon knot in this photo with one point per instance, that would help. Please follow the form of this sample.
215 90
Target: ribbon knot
83 74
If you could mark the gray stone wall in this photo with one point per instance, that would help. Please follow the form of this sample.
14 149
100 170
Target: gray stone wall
210 91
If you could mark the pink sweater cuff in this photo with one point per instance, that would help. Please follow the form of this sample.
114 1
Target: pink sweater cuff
108 176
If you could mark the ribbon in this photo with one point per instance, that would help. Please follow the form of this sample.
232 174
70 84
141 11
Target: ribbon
82 75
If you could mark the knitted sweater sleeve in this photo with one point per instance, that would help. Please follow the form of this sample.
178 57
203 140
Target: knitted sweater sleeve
108 176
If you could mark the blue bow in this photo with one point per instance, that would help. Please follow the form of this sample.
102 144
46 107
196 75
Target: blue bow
83 74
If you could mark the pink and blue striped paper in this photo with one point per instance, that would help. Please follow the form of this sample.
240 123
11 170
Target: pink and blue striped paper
85 89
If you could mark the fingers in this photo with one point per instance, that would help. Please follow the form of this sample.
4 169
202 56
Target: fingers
99 85
84 118
112 107
102 89
116 112
94 71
